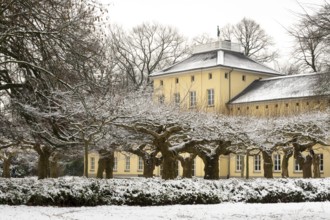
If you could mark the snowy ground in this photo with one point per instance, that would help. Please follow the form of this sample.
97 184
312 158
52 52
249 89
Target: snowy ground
287 211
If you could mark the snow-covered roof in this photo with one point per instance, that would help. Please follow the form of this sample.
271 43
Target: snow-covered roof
295 86
210 59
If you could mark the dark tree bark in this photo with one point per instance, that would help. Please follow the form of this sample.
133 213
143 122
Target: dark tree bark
187 164
316 166
304 162
285 161
105 163
44 153
6 167
268 164
211 167
53 165
170 166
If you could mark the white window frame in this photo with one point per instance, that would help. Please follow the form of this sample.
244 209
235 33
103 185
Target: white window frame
210 97
192 99
297 167
92 165
177 98
321 162
257 163
277 162
127 163
115 164
239 160
140 164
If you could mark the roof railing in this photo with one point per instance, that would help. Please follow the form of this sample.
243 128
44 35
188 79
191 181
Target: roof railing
225 45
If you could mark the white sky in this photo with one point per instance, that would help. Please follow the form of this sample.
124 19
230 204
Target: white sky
193 17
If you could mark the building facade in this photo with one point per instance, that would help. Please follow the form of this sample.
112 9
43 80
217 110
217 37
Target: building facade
218 78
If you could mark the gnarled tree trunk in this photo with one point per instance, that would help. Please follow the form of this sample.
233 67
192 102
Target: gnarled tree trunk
6 167
211 167
53 165
44 153
187 164
268 164
316 166
170 167
304 162
285 162
105 163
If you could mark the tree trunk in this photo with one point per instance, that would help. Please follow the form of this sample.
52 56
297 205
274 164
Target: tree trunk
304 162
187 164
105 163
307 167
243 167
268 164
285 163
211 167
86 159
44 153
170 167
247 176
6 168
53 166
149 164
316 166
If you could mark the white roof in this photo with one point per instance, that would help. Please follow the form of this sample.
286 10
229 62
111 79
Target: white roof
209 59
295 86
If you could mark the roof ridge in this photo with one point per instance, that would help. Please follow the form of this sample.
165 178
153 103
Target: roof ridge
292 76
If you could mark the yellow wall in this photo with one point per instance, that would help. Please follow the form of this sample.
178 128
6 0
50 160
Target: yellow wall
280 107
224 88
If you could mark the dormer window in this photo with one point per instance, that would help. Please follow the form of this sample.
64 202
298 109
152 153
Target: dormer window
243 78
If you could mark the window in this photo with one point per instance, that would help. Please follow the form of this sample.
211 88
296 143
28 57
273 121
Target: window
226 75
321 163
276 105
192 99
307 103
140 164
287 105
161 82
92 163
210 97
192 78
115 164
257 163
266 106
210 75
297 166
127 163
177 98
176 80
297 104
257 107
247 108
238 108
277 162
193 169
239 162
161 99
243 78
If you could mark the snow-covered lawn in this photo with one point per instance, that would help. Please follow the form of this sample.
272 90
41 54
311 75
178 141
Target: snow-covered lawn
287 211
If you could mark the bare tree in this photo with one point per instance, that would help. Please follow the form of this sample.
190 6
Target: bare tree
254 40
310 47
146 48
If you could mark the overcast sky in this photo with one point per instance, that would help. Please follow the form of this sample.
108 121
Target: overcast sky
195 17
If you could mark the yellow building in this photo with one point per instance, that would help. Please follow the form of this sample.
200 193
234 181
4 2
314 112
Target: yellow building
218 78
